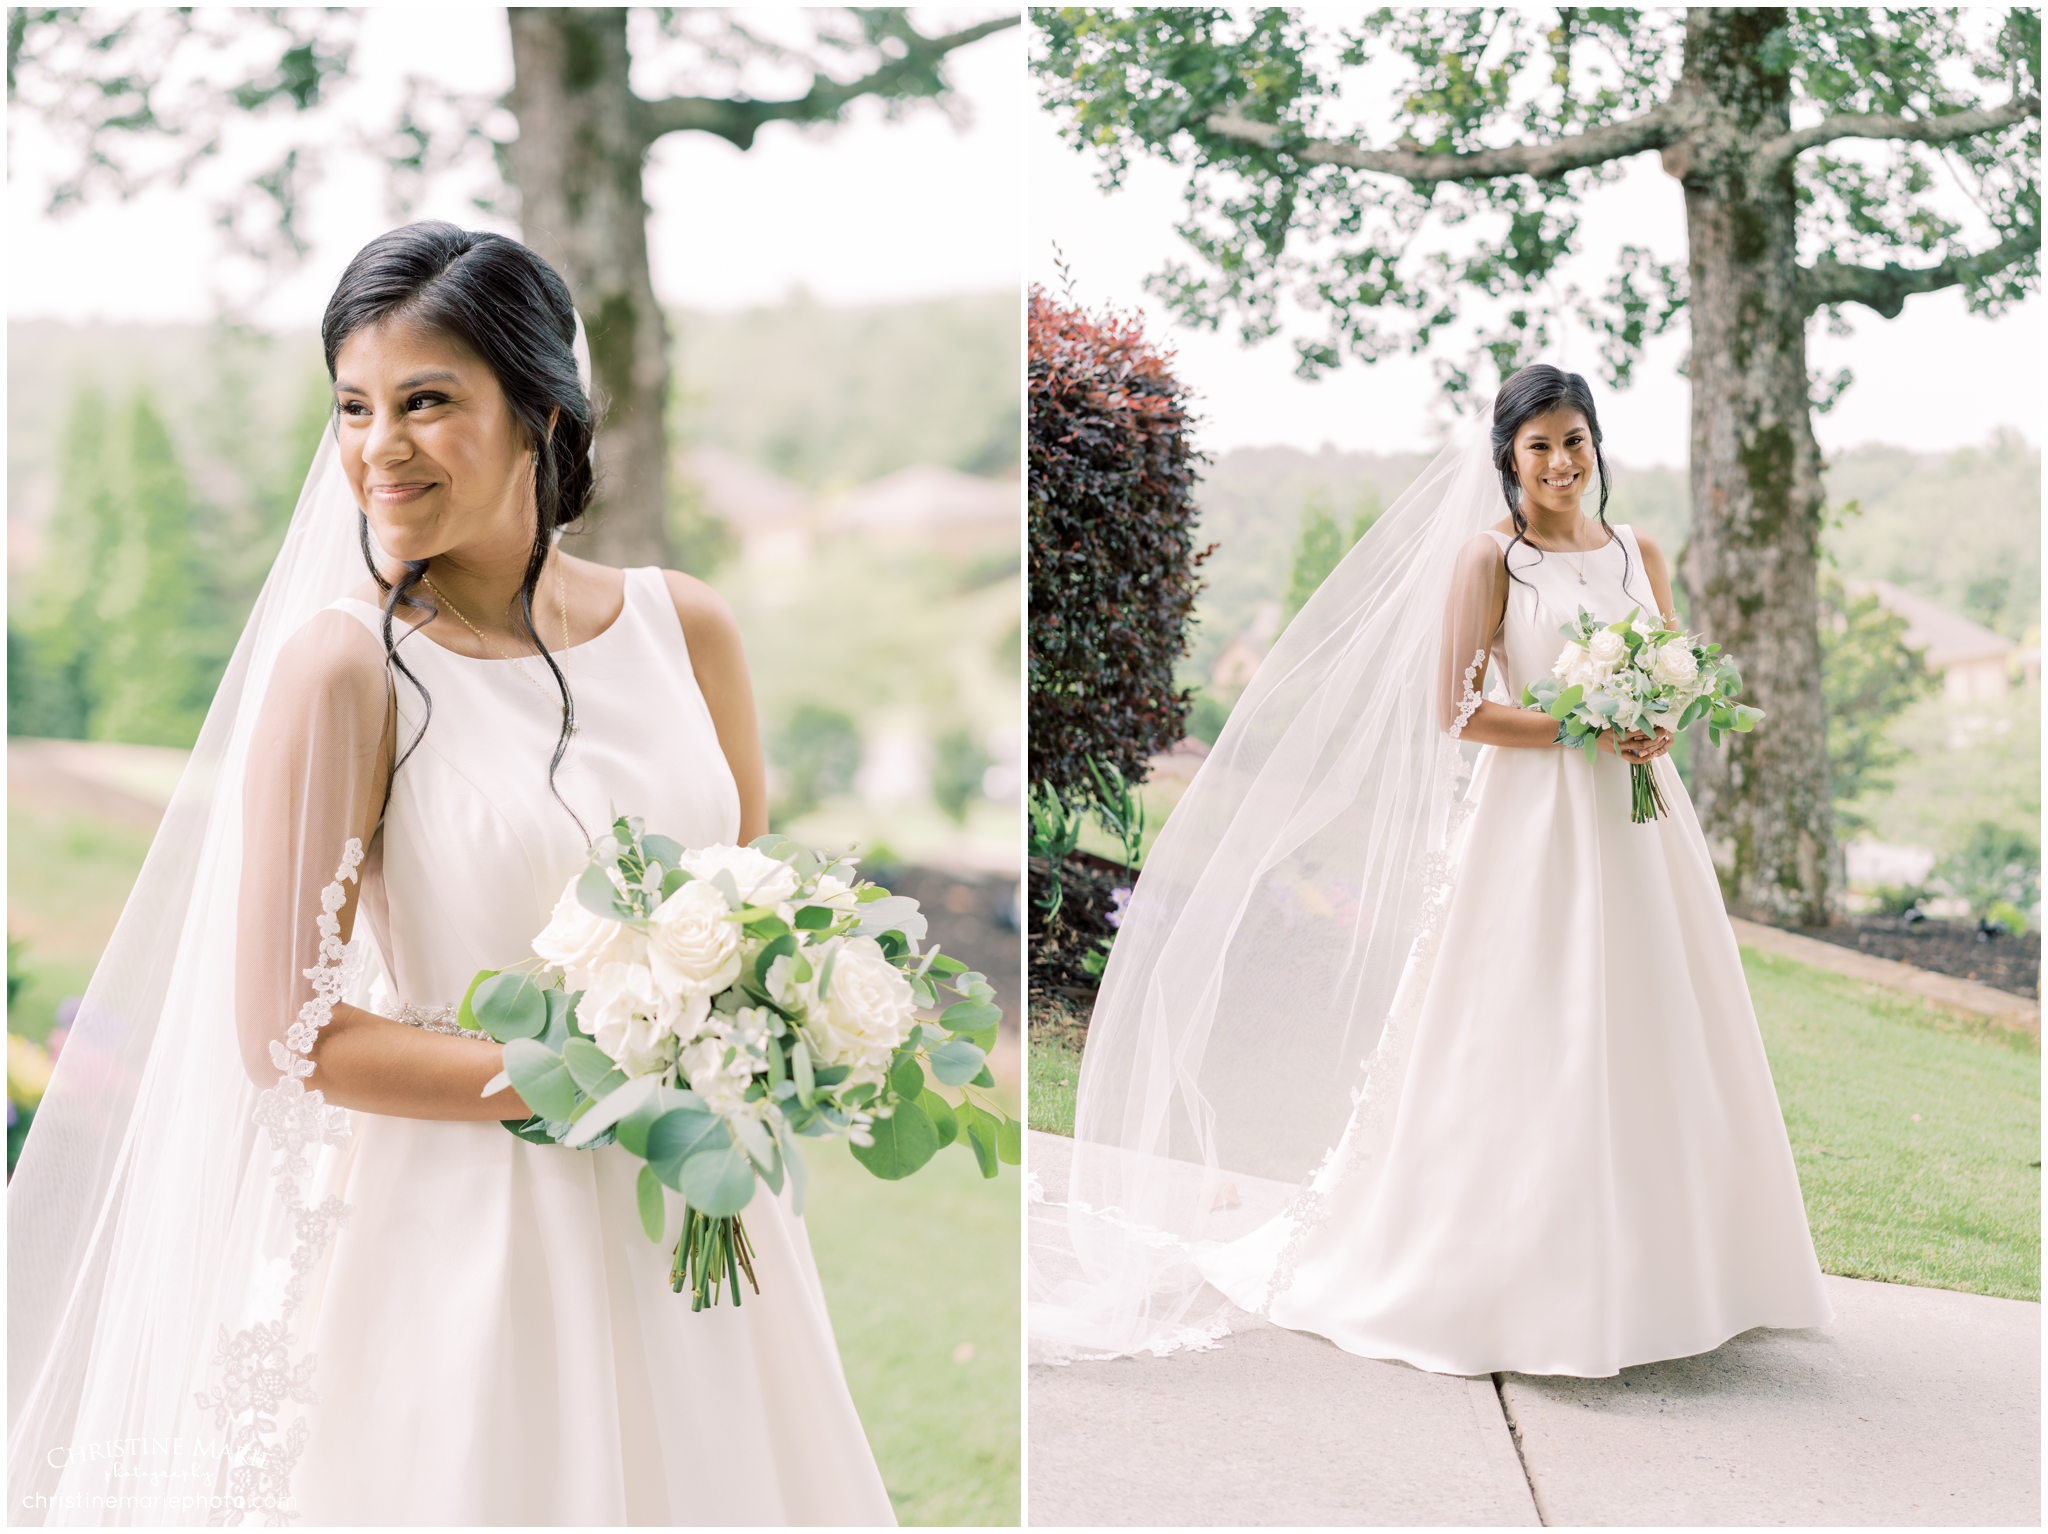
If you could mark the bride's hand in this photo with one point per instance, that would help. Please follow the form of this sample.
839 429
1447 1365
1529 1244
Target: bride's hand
1635 746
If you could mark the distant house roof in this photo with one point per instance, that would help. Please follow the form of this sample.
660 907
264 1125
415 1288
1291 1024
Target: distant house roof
745 497
1948 638
926 496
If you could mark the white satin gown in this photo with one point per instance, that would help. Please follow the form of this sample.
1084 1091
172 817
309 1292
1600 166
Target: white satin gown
1575 1161
496 1339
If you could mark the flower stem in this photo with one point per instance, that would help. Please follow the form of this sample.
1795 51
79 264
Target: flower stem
712 1250
1646 800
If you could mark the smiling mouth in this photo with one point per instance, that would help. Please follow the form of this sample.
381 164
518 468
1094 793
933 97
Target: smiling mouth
399 492
1561 484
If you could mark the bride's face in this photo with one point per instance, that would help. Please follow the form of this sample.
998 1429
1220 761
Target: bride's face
1554 461
431 448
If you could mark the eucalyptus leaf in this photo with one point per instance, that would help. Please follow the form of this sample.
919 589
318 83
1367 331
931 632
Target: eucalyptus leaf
672 881
940 1112
793 1162
969 1016
981 1135
561 1014
1010 1142
759 1145
653 1207
955 1062
613 1106
597 894
495 1085
904 1141
718 1180
543 1081
464 1017
815 918
906 1076
510 1006
800 1070
676 1136
728 887
660 849
588 1064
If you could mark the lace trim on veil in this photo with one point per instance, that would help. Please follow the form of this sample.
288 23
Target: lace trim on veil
254 1372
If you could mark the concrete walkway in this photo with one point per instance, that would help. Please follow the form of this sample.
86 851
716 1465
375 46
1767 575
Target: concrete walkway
1915 1407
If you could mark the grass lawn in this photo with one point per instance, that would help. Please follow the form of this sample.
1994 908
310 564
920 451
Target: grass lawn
1917 1134
67 877
922 1280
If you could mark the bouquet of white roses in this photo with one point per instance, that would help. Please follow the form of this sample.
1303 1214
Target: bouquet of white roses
1631 676
708 1007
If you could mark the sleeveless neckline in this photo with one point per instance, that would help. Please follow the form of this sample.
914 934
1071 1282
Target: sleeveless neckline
1618 528
618 622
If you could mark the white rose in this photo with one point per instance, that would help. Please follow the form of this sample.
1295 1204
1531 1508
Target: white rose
1569 660
632 1020
692 946
1587 673
1674 666
865 1009
1607 649
762 880
579 942
722 1084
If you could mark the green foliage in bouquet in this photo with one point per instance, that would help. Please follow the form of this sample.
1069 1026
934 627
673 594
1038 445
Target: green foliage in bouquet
1641 679
712 1087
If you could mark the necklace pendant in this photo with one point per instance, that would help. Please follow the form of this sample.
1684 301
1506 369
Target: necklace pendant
1582 580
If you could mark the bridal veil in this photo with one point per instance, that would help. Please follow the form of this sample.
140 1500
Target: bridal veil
1252 1002
170 1218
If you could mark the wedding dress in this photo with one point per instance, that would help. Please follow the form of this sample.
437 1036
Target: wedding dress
498 1342
231 1302
1585 1167
1420 1044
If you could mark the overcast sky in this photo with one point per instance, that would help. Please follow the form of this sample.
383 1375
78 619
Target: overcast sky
1935 378
870 211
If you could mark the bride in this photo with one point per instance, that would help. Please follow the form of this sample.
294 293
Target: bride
1440 1057
271 1256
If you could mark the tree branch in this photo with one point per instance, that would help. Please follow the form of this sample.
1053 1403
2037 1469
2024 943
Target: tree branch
1885 289
1659 126
738 121
1925 130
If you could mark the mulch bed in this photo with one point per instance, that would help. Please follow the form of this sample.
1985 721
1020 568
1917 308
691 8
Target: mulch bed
1954 948
1945 947
1087 885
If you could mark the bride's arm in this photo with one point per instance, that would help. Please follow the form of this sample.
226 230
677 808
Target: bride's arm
1472 617
318 764
721 667
1660 577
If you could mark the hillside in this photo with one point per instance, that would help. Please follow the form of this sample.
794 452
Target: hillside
829 397
1961 528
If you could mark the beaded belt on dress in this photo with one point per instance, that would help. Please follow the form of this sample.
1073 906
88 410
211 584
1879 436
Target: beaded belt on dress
436 1020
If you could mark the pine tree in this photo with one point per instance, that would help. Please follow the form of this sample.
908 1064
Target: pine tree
152 675
50 653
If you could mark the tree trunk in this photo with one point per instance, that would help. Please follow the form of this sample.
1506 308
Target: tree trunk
577 164
1750 565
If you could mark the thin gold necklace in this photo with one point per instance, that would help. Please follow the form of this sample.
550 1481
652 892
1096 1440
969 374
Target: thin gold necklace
562 596
1582 553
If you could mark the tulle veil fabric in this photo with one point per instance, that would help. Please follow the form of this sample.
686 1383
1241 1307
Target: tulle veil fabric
1254 995
170 1220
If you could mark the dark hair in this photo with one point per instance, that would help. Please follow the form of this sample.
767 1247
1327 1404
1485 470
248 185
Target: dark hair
512 309
1525 394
